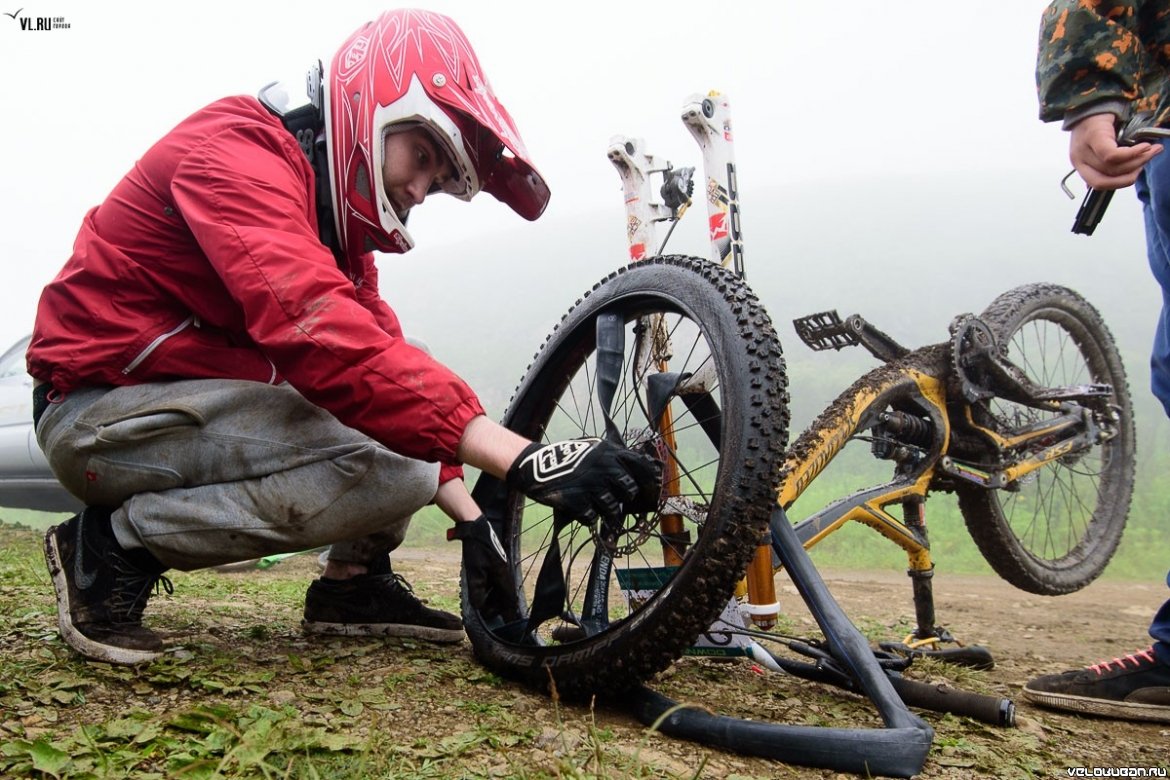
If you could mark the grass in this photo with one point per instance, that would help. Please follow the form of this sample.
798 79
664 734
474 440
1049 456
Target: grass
244 694
1140 556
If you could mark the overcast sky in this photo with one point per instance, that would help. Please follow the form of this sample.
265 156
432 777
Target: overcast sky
819 91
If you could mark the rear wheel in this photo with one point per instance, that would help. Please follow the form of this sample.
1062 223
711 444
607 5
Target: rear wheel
1054 530
690 371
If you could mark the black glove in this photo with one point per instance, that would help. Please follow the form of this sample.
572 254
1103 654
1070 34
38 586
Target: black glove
491 587
587 477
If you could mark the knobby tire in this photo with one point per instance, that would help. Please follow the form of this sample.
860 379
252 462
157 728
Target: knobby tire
729 491
1055 532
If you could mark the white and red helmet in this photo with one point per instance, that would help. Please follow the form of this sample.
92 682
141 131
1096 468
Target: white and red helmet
417 67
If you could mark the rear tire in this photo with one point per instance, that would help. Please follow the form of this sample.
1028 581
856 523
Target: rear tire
729 463
1057 531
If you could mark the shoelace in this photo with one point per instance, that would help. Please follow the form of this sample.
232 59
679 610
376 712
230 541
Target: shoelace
397 584
401 582
1101 667
132 587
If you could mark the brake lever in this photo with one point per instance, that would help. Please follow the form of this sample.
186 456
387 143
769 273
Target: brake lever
1137 130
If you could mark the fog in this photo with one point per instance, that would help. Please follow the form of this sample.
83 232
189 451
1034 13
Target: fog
890 161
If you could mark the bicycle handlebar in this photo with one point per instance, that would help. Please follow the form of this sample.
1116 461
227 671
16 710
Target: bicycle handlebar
942 698
936 697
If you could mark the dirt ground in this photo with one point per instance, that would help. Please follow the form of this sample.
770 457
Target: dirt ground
1027 634
1031 635
415 703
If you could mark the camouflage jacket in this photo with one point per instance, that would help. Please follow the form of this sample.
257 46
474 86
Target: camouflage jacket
1099 56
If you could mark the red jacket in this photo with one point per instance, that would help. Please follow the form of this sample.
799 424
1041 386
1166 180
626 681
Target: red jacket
205 262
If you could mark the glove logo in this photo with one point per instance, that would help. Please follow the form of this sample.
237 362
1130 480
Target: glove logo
495 541
556 460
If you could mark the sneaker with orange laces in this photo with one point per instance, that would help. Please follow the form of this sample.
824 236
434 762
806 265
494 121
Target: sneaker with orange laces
1134 687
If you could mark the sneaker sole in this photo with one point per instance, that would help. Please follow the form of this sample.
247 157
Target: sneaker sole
74 638
1123 710
443 636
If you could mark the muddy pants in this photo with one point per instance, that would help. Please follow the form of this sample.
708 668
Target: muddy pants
205 472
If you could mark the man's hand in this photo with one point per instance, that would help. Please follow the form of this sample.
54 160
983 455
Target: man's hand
1101 162
585 478
491 587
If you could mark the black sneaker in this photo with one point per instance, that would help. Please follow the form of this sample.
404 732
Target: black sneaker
102 590
375 605
1136 687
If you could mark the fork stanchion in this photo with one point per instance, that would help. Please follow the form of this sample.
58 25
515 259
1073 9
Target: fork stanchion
763 607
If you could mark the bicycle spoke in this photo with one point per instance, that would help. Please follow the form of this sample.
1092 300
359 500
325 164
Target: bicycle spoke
606 398
1051 512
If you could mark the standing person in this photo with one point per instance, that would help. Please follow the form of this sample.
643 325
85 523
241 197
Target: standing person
217 378
1098 64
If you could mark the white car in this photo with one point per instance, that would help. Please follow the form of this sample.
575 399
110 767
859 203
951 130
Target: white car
26 481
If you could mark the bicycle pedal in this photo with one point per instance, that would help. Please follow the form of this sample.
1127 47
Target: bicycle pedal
824 330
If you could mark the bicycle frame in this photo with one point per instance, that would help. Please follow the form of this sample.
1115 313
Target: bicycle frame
667 607
915 385
912 384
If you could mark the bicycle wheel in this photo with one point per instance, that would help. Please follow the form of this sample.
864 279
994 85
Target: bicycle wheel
700 384
1055 530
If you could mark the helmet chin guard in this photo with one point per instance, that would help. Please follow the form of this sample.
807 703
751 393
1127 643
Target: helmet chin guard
416 68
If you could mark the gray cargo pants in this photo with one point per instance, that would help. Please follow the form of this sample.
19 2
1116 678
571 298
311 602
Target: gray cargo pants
205 472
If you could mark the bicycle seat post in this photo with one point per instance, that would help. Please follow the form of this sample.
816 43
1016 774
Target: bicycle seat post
921 569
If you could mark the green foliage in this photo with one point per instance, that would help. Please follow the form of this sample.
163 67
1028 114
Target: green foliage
1142 554
242 694
31 519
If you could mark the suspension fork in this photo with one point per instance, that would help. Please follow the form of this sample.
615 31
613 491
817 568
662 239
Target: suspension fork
675 538
643 214
708 118
643 211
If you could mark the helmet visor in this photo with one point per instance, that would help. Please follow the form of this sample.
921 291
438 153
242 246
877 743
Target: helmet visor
516 183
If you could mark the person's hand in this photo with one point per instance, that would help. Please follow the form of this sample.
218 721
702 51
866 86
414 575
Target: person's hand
491 588
585 478
1101 162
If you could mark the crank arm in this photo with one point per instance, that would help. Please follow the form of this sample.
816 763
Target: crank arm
986 373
